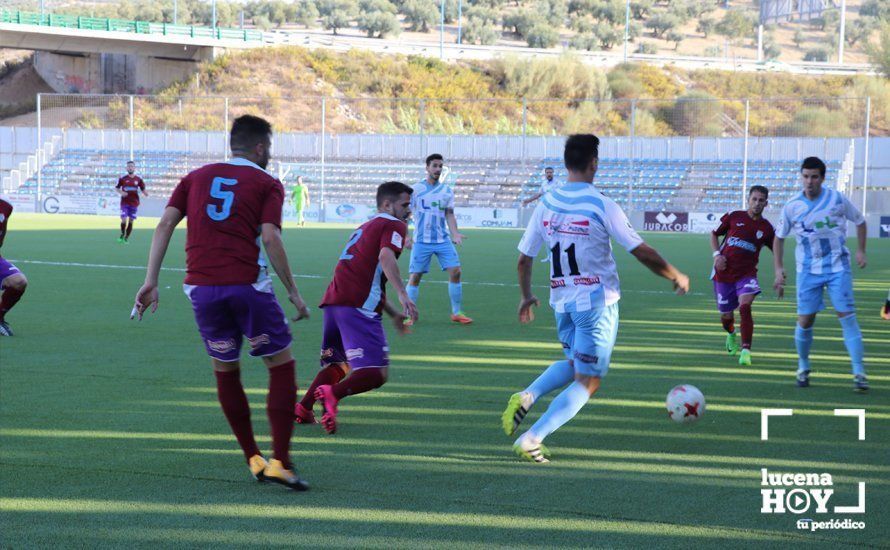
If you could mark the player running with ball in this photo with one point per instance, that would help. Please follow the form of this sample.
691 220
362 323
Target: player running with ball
744 233
576 223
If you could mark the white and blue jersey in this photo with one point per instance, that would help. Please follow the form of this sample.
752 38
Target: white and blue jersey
576 222
429 203
820 228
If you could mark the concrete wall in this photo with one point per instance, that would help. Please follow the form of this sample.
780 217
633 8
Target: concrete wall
110 73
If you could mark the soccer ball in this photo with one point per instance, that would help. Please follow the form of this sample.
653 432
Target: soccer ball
685 404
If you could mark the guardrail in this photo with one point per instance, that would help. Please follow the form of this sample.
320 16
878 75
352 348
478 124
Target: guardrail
123 25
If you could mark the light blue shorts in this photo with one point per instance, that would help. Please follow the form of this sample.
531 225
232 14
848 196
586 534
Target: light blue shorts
588 337
422 253
810 290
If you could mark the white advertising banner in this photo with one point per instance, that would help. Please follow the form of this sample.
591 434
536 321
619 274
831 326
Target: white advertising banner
109 206
704 222
348 213
21 203
289 213
61 204
487 217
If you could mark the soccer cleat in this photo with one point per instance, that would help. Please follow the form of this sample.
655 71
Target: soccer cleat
517 408
860 383
325 395
803 379
531 451
277 473
120 240
408 322
459 317
5 329
126 241
745 358
302 415
732 344
257 466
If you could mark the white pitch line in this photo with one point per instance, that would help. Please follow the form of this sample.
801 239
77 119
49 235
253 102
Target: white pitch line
302 276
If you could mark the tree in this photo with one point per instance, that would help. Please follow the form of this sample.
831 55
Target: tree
480 29
798 38
816 54
706 26
860 29
586 41
541 35
695 114
606 35
306 13
771 49
736 25
378 18
647 48
420 14
830 20
879 53
556 11
641 8
337 14
879 9
676 37
520 23
662 22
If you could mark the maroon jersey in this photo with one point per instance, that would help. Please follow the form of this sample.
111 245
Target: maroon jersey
226 205
358 278
743 239
132 185
5 213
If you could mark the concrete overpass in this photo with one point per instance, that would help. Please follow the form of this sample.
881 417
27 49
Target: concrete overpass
74 60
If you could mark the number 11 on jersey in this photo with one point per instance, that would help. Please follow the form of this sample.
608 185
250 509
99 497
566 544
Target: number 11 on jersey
556 262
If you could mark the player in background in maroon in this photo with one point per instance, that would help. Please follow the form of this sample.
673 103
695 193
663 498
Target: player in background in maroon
744 233
12 281
128 187
231 206
353 337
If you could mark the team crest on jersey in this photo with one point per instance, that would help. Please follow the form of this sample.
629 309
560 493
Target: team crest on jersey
759 234
2 218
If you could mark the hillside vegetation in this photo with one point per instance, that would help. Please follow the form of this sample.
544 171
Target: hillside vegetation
286 84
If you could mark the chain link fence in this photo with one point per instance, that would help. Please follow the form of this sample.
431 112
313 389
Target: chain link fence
689 152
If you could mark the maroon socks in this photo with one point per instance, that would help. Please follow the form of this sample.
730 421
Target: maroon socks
280 403
747 325
359 381
329 375
234 405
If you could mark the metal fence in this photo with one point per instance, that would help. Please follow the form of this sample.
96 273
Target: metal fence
525 132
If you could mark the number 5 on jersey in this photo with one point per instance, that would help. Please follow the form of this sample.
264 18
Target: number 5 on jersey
221 212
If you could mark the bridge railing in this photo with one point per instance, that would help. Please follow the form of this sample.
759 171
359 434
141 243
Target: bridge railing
123 25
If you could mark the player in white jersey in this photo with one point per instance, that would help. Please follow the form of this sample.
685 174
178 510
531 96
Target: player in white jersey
435 234
547 185
576 223
818 219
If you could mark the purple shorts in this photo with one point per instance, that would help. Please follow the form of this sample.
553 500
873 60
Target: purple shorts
226 314
7 270
727 294
355 336
129 211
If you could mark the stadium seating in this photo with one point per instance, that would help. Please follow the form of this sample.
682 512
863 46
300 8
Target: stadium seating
657 184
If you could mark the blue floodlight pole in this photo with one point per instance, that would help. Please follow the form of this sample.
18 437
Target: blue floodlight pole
442 31
460 9
626 27
213 16
175 12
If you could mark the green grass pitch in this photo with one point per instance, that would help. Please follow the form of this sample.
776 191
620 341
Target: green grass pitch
111 435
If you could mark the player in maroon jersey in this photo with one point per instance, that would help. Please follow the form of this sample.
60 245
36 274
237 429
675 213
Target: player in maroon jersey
744 233
353 337
230 205
12 281
128 187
